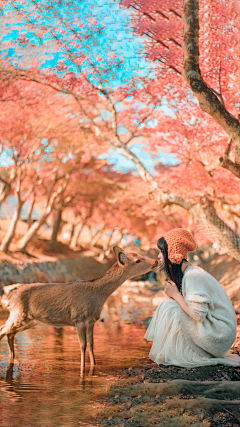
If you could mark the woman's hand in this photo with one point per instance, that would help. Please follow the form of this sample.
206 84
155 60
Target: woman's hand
171 289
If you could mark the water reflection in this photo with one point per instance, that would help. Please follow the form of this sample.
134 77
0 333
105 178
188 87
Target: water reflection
44 387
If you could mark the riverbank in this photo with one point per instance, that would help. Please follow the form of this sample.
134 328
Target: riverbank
169 396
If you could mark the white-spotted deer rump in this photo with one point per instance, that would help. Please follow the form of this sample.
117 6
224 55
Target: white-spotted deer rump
77 303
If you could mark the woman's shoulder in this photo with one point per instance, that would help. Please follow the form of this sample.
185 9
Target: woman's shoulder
196 280
193 272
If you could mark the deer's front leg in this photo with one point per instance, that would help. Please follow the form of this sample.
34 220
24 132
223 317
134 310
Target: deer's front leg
90 343
81 332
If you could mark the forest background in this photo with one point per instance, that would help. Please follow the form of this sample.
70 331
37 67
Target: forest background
120 119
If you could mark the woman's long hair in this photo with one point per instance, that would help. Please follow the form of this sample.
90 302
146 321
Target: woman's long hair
173 271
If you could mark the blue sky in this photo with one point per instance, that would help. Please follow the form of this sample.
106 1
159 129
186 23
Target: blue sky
117 38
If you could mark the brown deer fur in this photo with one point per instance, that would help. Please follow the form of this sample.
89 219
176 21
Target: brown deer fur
77 303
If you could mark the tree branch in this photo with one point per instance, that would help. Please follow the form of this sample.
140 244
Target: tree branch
208 100
226 163
141 122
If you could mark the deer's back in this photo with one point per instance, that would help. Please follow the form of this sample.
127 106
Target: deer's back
56 303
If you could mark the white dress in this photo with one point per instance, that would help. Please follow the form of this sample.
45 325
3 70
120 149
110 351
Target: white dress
168 333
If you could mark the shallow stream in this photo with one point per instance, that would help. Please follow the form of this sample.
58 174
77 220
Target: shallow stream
44 387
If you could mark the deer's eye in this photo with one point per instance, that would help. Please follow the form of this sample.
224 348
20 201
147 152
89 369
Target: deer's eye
138 260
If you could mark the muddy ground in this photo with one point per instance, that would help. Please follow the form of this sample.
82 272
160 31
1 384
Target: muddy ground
169 396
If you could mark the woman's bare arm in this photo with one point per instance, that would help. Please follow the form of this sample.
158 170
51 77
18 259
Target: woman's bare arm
181 301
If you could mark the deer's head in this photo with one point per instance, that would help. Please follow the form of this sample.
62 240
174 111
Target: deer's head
134 264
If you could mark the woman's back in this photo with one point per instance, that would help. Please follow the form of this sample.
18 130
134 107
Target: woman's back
212 325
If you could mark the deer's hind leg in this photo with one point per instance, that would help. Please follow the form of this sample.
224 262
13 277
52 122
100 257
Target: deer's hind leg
9 329
13 325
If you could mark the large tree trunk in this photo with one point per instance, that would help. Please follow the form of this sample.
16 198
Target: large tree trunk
57 219
6 186
22 244
105 248
4 191
108 245
71 232
96 236
76 234
12 228
30 221
208 100
216 229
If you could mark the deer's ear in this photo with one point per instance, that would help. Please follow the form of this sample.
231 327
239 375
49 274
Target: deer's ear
121 256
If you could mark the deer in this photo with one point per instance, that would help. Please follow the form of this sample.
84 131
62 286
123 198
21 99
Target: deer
77 303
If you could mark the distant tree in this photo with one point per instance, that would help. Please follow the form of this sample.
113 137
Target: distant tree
41 155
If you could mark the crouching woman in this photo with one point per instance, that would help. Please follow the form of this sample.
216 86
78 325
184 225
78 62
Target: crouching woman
196 325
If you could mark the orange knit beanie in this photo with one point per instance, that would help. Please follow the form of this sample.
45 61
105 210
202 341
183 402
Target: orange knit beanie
180 242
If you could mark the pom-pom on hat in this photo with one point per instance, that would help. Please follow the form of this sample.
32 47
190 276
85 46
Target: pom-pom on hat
180 242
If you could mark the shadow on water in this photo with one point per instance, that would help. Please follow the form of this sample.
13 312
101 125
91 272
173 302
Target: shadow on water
44 387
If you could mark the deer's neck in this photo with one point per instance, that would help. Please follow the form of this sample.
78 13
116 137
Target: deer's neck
111 280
